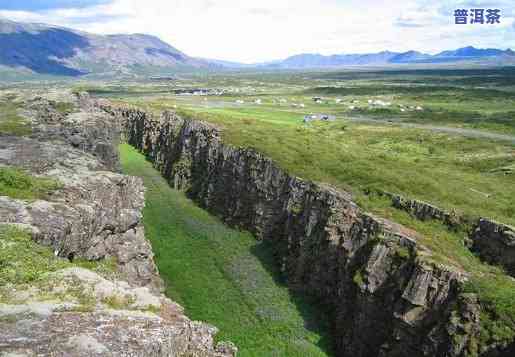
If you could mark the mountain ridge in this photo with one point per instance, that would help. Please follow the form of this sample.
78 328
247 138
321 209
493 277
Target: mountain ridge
468 53
55 50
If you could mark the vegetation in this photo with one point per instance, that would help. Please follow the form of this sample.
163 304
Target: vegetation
22 260
16 183
63 107
497 298
11 122
224 276
452 172
25 264
117 302
495 290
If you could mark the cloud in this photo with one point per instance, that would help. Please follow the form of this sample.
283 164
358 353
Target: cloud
38 5
407 22
260 11
261 30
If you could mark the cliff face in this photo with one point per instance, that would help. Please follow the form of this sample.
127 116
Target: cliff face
384 294
495 243
93 216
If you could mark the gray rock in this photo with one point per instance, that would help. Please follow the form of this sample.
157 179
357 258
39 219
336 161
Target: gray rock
95 214
86 345
495 243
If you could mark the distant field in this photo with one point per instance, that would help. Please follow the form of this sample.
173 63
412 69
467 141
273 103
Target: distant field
223 276
467 98
472 175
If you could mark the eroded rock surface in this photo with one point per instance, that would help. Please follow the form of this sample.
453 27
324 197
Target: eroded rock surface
495 243
118 320
94 215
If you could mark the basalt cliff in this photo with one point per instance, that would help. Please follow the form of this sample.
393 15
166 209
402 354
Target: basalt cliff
384 292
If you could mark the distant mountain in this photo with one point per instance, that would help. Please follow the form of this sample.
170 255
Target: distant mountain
309 60
466 54
46 49
227 64
27 48
470 53
409 57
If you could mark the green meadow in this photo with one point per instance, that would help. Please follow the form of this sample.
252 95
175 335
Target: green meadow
224 276
11 123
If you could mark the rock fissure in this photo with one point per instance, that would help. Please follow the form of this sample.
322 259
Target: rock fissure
384 302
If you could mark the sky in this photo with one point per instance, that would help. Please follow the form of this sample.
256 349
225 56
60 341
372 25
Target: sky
260 30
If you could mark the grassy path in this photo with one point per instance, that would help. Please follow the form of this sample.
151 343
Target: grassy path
223 276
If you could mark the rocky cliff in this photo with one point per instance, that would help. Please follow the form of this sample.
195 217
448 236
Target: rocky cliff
385 294
91 218
493 242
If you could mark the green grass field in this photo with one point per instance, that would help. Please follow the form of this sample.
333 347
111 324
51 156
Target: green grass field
16 183
223 276
462 98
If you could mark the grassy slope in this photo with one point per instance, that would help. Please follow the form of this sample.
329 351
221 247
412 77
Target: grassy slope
23 261
223 276
16 183
10 122
447 171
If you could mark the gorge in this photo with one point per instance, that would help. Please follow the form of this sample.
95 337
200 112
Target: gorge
388 295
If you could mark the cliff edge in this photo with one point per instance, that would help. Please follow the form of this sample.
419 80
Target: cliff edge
77 276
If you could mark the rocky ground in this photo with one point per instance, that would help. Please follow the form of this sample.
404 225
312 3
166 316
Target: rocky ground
92 215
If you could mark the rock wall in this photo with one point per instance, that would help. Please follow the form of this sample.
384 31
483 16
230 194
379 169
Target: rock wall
95 214
495 243
425 211
383 292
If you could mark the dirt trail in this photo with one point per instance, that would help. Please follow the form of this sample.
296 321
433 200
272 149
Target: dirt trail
472 133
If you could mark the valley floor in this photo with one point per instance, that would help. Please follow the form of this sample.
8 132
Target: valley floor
223 276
